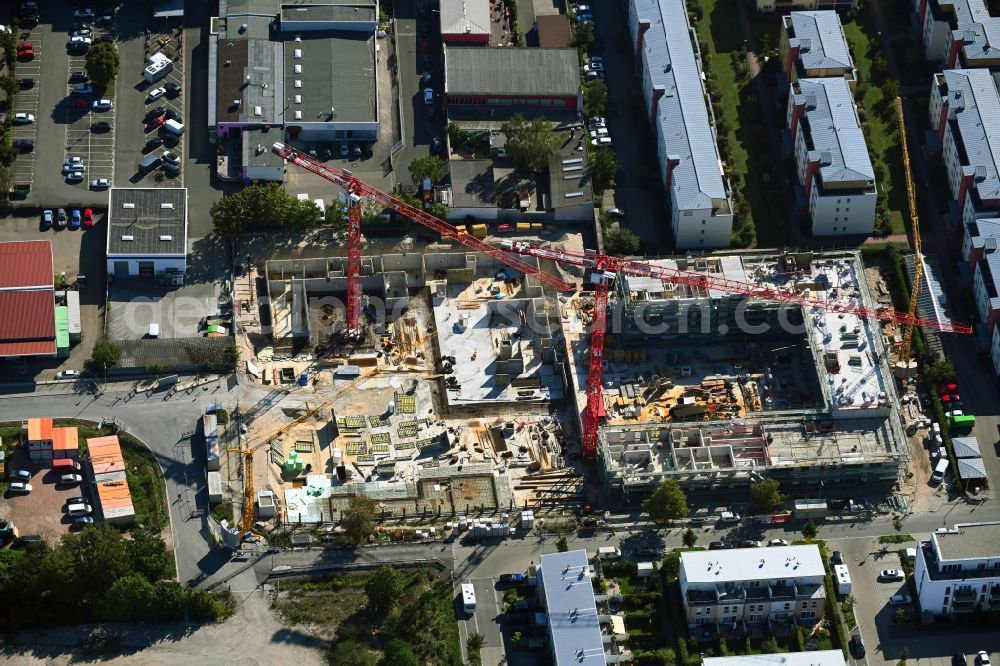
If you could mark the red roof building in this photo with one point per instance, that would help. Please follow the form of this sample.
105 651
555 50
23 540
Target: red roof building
27 299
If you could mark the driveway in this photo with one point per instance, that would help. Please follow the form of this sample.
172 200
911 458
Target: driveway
484 621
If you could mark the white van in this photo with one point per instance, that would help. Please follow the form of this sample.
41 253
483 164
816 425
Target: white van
79 510
608 553
174 127
939 471
322 209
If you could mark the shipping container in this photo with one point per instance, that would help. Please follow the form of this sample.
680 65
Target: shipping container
478 230
65 464
523 227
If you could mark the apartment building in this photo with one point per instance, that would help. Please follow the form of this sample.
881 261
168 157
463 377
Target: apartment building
812 658
769 6
959 33
813 45
753 586
986 289
700 201
957 572
978 238
831 157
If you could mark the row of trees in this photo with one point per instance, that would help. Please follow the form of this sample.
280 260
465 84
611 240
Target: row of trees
98 574
669 502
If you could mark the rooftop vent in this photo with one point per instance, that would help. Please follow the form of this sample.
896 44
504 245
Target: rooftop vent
128 238
128 204
298 83
166 237
243 27
298 99
298 69
297 54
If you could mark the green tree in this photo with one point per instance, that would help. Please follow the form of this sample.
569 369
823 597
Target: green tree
667 503
530 143
383 589
890 90
880 68
7 154
621 242
351 653
106 354
690 538
8 40
562 545
9 86
428 166
336 215
767 497
595 98
603 167
358 520
475 642
103 63
809 530
671 568
149 556
456 135
399 653
585 36
939 372
130 599
898 618
260 206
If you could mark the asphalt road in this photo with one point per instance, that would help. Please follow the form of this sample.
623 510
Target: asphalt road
417 129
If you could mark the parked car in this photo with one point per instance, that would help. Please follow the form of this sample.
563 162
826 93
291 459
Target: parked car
19 487
947 388
80 43
750 543
152 144
716 545
20 475
173 89
100 184
174 115
60 221
983 658
856 647
891 574
156 94
900 599
83 520
155 123
81 32
172 169
101 127
74 177
152 113
584 16
425 47
70 479
595 65
78 77
76 500
510 580
27 83
26 51
958 659
67 374
428 96
78 103
83 13
46 219
601 142
172 158
75 219
102 105
24 145
83 89
23 118
106 19
74 163
170 140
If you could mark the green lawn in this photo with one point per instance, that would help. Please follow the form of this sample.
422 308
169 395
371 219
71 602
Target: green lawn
884 146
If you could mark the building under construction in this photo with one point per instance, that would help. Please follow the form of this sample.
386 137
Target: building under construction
718 389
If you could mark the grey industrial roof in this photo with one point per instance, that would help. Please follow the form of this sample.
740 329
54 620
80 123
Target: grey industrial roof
741 564
156 221
966 447
572 611
337 71
253 26
253 141
249 70
465 17
248 7
475 70
970 541
682 114
328 11
815 658
971 468
822 44
472 183
974 92
570 182
834 130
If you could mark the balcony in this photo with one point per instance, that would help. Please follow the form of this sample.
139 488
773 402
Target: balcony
782 592
701 598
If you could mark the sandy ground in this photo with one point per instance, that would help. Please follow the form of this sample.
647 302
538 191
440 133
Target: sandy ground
252 636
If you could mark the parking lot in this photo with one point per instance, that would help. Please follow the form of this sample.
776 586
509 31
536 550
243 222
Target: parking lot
485 620
43 510
135 304
27 100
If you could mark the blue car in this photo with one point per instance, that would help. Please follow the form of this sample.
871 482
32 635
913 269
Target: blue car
75 219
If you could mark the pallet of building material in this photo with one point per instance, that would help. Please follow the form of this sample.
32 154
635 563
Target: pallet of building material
366 458
381 438
352 422
356 448
304 447
413 423
406 446
378 422
427 441
406 432
380 448
406 404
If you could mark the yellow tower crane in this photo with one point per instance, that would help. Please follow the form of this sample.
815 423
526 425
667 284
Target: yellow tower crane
904 364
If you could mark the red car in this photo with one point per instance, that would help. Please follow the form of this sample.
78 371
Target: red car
947 388
78 103
88 218
26 51
155 122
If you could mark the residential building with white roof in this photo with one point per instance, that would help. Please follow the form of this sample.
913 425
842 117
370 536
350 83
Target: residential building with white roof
700 201
753 586
566 591
979 236
959 33
957 572
831 157
813 658
964 111
813 45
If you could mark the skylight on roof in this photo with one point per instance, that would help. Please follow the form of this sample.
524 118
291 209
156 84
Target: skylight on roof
128 205
298 83
297 54
128 238
298 115
298 69
298 99
166 204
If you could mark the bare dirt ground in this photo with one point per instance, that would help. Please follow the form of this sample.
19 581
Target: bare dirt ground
253 636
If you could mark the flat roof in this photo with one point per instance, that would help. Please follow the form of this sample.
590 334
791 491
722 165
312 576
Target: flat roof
329 11
40 429
329 76
257 148
966 447
241 8
472 183
465 17
26 265
474 70
814 658
974 92
742 564
572 610
832 126
970 541
147 221
683 122
822 44
570 181
554 31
